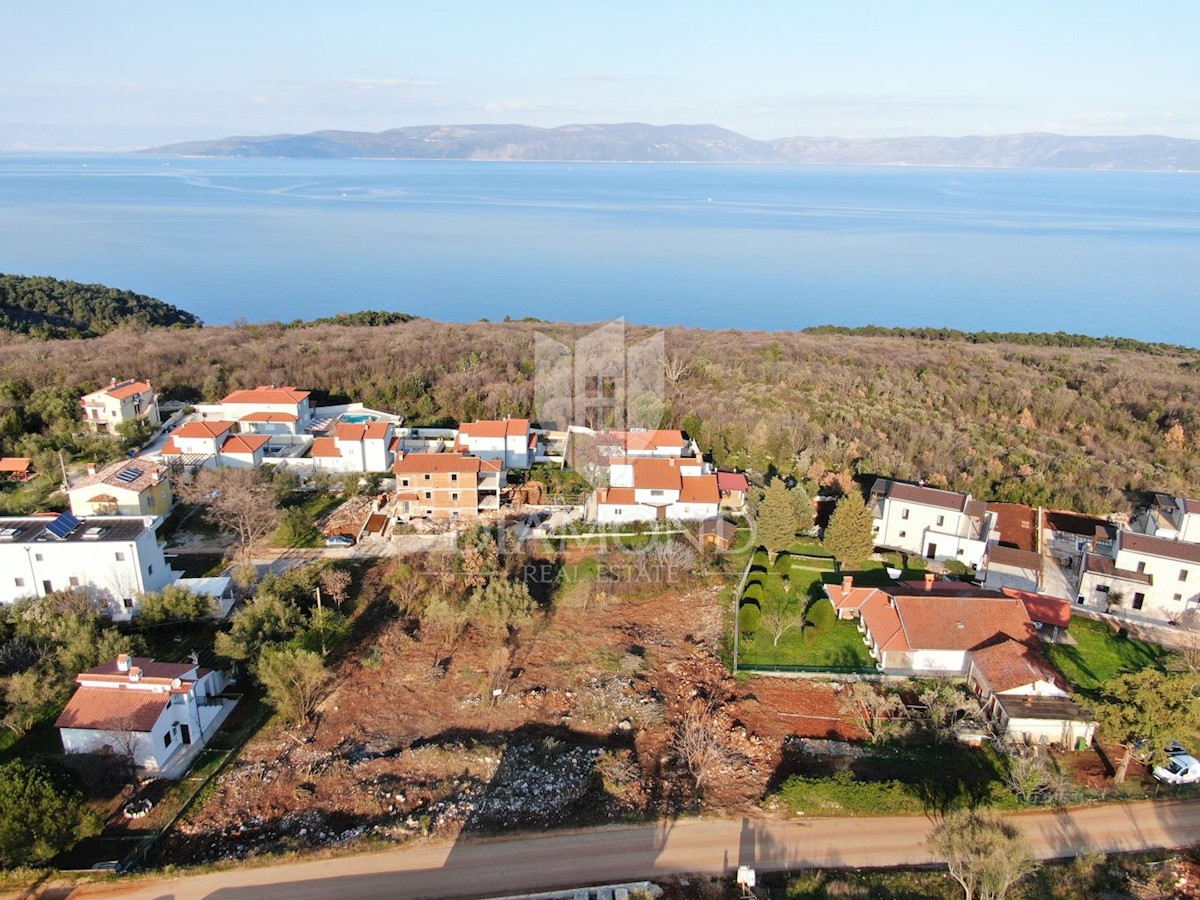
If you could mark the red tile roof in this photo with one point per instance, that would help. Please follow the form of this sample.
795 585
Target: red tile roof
1017 559
1017 524
616 497
350 431
880 615
420 463
1166 548
643 440
1078 523
962 622
926 496
699 489
1012 664
269 417
494 428
377 431
244 443
153 672
325 448
113 709
15 464
1054 611
266 393
732 481
124 389
198 428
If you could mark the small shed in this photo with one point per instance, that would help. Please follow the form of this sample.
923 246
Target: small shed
15 468
718 533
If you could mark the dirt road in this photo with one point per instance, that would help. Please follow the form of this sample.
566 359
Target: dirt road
471 869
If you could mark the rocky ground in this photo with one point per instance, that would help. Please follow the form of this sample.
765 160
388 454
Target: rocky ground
412 741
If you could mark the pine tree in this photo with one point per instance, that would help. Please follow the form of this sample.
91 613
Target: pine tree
850 536
802 504
776 519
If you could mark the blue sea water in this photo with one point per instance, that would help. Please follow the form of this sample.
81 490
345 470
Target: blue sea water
756 247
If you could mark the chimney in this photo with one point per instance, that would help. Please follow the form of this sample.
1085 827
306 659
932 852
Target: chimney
930 578
847 583
112 382
91 468
135 674
123 662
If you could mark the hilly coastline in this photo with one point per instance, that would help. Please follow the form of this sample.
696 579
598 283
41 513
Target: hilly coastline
635 142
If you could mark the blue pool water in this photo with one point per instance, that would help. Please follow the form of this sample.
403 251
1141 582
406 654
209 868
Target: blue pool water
356 418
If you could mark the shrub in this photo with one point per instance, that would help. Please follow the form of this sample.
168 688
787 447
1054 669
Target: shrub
748 618
844 795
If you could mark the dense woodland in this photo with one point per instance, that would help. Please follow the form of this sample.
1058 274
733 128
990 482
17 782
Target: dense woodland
1078 427
49 308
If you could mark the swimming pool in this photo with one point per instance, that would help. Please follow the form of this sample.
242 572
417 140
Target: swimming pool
357 418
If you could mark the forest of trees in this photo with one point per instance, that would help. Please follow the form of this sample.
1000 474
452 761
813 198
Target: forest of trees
1075 427
49 308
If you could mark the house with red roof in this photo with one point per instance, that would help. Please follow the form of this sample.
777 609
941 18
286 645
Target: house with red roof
647 489
16 468
925 521
355 447
511 441
214 443
120 401
158 712
447 485
269 409
663 443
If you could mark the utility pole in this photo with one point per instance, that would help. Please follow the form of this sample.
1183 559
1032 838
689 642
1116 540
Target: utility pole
321 620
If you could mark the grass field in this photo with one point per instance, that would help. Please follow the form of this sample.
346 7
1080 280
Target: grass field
1100 656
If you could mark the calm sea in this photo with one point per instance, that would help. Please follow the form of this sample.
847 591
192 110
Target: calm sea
767 247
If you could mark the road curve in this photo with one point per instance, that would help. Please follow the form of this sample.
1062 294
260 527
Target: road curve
481 868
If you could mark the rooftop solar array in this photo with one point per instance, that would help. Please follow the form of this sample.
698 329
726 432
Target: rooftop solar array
63 525
129 475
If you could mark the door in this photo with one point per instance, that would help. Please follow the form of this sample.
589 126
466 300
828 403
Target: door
931 552
185 734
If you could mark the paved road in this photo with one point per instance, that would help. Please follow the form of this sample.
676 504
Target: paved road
471 869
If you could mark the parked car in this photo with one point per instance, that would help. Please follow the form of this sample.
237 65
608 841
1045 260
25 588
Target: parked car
1171 748
1182 769
339 540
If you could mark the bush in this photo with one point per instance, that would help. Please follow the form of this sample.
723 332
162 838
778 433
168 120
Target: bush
843 795
748 618
822 616
38 816
174 604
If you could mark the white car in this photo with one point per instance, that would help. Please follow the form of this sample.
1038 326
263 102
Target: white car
1181 769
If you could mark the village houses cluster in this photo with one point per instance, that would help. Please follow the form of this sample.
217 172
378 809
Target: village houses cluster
1031 566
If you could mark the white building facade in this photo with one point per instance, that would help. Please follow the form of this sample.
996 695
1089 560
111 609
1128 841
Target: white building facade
939 525
1150 577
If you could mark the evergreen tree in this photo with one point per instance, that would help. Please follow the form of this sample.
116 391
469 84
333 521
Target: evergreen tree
776 518
850 537
1145 708
802 504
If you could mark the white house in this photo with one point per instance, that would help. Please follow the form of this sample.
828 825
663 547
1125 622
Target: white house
120 401
646 489
924 521
509 440
1025 698
269 409
355 447
115 557
1150 577
151 710
660 443
1177 518
213 443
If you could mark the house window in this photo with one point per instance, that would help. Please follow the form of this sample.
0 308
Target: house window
1177 598
429 495
427 476
38 557
403 482
1139 600
74 581
454 495
150 501
1141 568
120 556
20 582
1102 588
167 739
1183 574
904 513
149 570
959 552
656 493
941 520
454 476
47 587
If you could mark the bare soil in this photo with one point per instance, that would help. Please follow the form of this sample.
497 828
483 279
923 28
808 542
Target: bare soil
413 739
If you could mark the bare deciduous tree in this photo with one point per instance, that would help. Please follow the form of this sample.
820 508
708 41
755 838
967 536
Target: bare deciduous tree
1030 776
237 500
875 711
336 585
700 746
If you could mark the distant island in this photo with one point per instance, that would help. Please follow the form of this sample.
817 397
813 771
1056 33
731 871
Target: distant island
49 308
635 142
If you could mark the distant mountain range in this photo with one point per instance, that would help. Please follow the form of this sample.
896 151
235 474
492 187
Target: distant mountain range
708 144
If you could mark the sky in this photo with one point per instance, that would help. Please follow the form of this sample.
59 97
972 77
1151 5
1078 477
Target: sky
123 74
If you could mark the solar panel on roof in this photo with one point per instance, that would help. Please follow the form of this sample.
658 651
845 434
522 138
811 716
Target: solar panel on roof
63 525
129 475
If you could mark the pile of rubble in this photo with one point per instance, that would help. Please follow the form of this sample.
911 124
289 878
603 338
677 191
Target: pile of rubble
348 518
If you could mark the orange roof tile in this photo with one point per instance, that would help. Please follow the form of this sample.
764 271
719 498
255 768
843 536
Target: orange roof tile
1054 611
267 393
198 428
377 431
880 616
962 622
493 428
244 443
124 389
1012 664
699 489
325 448
269 417
113 709
420 463
616 497
349 431
153 671
17 464
170 448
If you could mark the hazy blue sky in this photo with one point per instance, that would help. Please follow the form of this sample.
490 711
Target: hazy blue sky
126 74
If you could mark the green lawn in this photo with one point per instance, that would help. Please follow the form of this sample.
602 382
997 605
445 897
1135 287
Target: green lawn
1100 656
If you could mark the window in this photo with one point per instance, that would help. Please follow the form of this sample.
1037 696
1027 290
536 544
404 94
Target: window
167 739
959 552
427 476
1102 588
46 586
656 493
150 500
904 513
454 476
1141 568
903 533
20 582
1183 574
454 495
149 570
38 557
1139 601
1177 598
120 556
941 520
74 581
429 495
403 482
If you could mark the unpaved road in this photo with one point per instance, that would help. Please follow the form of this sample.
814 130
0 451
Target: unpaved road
479 868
